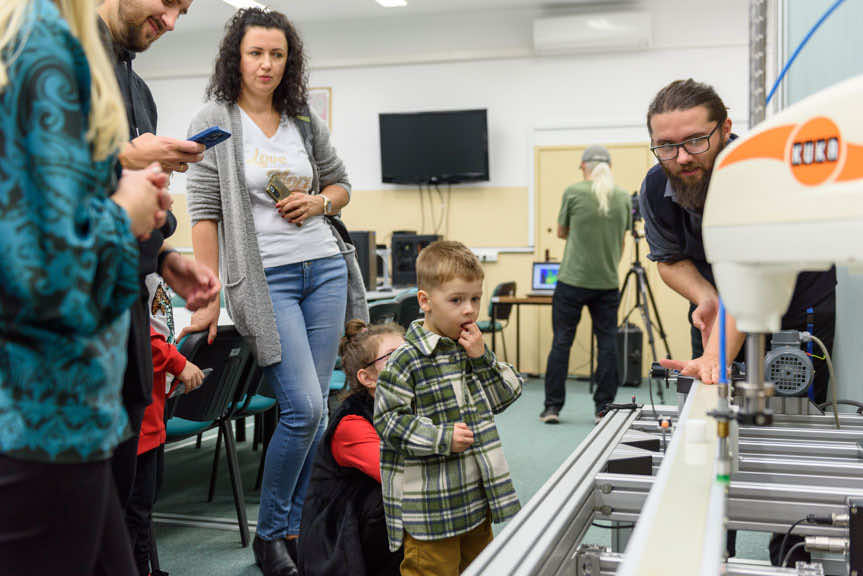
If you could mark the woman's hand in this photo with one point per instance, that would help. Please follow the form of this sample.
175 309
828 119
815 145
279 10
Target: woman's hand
206 318
299 206
144 196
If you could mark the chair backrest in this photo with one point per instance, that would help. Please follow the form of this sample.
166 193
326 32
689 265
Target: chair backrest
228 356
501 311
384 311
409 307
251 380
264 388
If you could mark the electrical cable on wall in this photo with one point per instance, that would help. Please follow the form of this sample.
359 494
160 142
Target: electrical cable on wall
448 205
440 219
422 209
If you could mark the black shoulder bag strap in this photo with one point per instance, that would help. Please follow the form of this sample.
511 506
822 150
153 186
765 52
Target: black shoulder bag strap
305 122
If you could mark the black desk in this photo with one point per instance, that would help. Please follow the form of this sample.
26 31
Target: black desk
517 302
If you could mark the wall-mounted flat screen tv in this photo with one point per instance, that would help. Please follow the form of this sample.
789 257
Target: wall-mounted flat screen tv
434 147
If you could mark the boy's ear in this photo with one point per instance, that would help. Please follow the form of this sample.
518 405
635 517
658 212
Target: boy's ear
424 300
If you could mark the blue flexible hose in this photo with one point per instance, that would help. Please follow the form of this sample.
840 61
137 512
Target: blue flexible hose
723 375
800 47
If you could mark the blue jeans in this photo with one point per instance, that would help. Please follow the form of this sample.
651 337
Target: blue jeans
309 300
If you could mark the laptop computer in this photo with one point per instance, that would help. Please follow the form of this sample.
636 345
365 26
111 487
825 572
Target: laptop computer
544 278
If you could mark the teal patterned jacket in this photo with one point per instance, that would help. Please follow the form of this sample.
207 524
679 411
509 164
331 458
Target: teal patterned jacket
428 385
67 256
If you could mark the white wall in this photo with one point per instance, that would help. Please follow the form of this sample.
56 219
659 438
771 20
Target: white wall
481 60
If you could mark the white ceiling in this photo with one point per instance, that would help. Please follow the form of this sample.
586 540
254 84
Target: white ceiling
212 14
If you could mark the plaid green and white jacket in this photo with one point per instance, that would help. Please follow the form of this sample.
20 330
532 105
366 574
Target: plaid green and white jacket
428 385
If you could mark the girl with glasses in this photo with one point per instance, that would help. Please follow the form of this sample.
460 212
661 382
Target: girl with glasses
343 525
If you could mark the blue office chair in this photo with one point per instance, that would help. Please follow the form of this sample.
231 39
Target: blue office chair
501 313
248 401
212 405
384 311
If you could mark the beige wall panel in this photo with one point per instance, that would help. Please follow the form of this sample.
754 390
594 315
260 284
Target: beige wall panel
182 238
477 216
557 168
497 216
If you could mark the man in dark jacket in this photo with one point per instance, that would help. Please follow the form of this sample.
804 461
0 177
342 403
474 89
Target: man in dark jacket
689 126
127 27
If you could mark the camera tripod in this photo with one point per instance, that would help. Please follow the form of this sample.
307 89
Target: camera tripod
643 297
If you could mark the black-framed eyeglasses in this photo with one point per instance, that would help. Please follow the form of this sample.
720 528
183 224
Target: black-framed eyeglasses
384 357
697 145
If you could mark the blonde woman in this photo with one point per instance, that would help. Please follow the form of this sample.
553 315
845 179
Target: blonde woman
68 256
593 218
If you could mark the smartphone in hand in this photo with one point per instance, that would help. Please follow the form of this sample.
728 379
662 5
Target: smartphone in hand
277 186
211 136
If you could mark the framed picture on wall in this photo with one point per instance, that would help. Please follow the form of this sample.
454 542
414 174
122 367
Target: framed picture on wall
321 101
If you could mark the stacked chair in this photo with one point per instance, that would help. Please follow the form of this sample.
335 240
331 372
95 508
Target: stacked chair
214 405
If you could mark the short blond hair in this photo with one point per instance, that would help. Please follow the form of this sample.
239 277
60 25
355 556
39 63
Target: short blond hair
446 260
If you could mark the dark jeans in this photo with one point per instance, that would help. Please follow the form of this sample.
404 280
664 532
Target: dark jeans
566 305
139 510
125 458
61 519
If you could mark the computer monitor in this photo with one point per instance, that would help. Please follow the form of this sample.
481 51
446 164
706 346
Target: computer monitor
545 276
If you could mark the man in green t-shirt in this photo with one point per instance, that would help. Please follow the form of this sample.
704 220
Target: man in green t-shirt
594 216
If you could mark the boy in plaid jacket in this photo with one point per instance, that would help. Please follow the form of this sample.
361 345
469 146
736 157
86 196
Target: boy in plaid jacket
443 472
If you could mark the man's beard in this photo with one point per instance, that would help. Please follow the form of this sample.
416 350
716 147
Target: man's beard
132 33
693 195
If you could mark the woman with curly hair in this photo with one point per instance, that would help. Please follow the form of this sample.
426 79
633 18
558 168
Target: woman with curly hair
258 205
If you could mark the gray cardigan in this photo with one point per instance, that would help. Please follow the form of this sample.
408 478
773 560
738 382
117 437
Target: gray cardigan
216 190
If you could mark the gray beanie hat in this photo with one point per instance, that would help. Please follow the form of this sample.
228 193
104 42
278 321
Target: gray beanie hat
596 153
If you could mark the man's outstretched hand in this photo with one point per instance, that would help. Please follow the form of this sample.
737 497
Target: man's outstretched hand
704 368
703 318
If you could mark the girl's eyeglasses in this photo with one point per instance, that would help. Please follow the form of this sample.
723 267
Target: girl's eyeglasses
384 357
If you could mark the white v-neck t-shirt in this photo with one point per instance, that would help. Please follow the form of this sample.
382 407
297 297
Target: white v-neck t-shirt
281 242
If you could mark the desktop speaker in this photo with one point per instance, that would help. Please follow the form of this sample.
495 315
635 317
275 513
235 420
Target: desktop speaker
405 248
382 257
629 342
364 240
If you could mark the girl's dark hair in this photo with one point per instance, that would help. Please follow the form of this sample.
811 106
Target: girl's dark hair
226 82
359 347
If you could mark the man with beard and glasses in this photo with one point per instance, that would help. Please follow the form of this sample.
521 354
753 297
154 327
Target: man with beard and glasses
689 126
128 27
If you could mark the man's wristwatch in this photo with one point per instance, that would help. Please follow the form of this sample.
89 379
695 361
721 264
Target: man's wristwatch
328 205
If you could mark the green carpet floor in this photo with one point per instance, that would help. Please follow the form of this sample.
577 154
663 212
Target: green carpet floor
534 451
